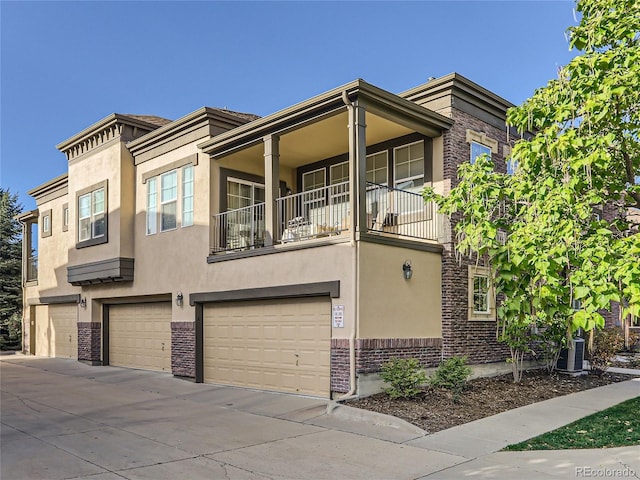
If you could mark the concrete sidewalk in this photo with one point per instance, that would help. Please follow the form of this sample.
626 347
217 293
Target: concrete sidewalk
63 419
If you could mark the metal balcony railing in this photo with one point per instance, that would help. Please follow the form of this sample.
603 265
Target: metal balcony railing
324 212
240 229
391 210
315 213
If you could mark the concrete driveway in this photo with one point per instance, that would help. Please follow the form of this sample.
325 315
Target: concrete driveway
62 419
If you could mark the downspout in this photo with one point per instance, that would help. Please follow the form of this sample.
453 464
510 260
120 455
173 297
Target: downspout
23 281
354 187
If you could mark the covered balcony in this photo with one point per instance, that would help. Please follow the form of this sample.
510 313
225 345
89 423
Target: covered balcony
346 165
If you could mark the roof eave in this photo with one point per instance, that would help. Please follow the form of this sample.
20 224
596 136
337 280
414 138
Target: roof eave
253 131
193 118
56 183
101 125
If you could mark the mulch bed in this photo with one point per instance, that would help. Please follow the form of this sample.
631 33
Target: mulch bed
436 409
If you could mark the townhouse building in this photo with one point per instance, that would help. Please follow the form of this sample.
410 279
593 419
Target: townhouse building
292 252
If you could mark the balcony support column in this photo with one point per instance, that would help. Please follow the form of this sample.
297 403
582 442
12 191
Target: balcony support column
358 166
271 187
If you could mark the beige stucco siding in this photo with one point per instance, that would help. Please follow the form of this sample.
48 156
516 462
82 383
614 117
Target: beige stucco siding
53 252
103 164
392 307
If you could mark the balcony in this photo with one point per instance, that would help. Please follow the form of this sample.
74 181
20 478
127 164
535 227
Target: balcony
324 213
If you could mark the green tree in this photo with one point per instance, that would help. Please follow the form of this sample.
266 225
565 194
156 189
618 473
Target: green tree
10 259
537 228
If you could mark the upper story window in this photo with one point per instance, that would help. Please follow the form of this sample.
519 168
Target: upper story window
164 193
313 180
46 224
377 168
243 193
480 144
65 217
408 166
477 150
92 215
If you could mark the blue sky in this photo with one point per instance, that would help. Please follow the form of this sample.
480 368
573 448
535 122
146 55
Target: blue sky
66 65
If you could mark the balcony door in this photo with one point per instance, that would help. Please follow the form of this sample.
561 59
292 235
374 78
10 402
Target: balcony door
245 204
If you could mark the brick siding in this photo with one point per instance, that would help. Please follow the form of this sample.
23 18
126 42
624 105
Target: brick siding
90 342
372 352
474 339
183 349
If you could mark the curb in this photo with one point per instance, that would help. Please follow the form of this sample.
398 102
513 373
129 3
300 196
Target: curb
374 418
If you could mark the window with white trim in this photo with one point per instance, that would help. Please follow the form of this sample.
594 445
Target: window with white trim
408 166
187 195
170 200
46 224
481 297
377 168
65 217
91 215
314 179
477 150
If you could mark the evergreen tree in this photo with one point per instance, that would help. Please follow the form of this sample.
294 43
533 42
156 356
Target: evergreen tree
10 257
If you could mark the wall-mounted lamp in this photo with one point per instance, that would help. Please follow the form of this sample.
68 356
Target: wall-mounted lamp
179 299
407 271
83 302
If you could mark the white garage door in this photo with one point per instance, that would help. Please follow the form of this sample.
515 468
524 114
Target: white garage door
57 330
140 336
280 345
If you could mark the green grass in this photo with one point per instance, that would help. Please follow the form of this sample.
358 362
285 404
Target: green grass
617 426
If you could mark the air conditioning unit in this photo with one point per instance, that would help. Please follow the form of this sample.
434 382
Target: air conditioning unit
571 358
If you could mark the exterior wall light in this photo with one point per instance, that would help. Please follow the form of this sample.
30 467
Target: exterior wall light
83 302
407 271
179 299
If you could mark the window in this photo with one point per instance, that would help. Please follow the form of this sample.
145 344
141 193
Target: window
92 218
65 217
408 166
242 193
164 192
187 196
168 201
477 150
480 298
46 223
512 165
339 173
313 180
152 206
377 168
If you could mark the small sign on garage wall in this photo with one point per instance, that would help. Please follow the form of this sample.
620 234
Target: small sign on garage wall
337 314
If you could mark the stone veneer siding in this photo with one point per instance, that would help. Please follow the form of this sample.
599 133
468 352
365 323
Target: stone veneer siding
90 342
372 352
183 349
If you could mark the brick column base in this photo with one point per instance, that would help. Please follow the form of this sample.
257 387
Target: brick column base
90 342
373 352
183 349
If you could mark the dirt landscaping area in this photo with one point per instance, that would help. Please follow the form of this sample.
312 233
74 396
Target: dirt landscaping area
436 409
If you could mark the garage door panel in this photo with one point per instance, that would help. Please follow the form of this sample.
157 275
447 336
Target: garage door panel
281 345
140 336
57 330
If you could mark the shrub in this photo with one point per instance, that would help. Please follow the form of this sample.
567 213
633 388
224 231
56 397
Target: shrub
453 374
606 343
11 333
405 376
